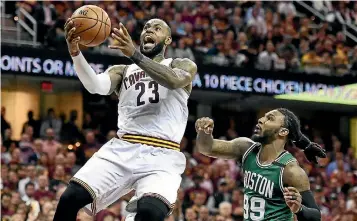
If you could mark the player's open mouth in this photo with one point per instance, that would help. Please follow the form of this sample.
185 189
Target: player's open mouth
149 42
257 129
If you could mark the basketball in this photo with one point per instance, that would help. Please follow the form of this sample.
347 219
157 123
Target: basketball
92 25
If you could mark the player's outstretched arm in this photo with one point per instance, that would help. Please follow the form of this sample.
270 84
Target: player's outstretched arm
298 195
208 146
104 83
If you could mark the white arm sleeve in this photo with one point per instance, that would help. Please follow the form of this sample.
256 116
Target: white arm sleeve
94 83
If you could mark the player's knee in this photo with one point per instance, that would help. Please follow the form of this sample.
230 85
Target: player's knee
151 208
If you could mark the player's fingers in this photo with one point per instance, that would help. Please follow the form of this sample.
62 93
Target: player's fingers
124 29
113 47
70 35
69 25
76 40
293 189
119 33
65 24
119 39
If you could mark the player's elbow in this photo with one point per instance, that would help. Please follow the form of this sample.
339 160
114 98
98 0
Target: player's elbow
90 89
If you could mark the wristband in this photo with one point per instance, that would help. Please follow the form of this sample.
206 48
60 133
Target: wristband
137 57
300 210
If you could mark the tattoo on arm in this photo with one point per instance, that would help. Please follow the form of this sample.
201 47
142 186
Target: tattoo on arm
296 177
179 75
233 149
116 74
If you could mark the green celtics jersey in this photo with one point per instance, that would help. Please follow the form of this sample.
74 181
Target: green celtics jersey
263 187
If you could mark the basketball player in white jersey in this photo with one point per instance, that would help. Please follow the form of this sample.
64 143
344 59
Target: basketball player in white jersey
152 109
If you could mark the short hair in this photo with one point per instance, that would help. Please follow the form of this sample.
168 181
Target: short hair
292 123
29 184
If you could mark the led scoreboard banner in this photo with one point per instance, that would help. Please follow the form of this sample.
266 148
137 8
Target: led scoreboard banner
281 85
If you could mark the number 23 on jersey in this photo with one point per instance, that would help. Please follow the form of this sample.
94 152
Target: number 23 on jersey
254 208
152 87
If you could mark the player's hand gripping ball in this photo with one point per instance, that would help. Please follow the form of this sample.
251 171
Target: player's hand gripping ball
204 124
125 43
293 199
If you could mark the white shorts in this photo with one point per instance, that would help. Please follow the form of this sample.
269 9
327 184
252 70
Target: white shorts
121 166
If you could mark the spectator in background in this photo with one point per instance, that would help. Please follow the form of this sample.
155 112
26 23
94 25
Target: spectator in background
286 8
45 15
51 122
258 7
71 164
311 59
190 215
56 36
4 124
199 201
88 122
182 51
33 123
30 178
50 146
7 138
43 189
222 195
333 165
111 213
70 132
90 146
58 179
267 58
258 22
225 210
204 214
26 148
37 151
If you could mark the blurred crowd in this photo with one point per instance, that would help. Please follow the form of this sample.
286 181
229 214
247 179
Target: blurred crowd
265 35
35 171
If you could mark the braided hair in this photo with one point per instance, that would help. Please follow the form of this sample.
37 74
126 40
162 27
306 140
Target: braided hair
292 123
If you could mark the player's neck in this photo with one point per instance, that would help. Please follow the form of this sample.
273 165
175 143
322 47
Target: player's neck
270 152
159 57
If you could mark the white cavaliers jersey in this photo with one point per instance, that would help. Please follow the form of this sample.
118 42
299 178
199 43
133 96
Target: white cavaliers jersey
148 108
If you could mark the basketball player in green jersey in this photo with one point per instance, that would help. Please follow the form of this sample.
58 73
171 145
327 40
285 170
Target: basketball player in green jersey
275 186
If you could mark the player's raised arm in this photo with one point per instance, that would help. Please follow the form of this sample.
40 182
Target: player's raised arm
104 83
298 195
208 146
181 72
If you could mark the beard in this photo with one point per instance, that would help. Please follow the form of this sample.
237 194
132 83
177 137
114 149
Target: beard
154 51
267 137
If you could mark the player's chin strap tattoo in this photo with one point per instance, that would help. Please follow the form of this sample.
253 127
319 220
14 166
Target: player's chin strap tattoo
309 211
312 150
168 77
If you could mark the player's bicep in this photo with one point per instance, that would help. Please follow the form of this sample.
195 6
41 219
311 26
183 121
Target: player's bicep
185 70
116 74
295 176
233 149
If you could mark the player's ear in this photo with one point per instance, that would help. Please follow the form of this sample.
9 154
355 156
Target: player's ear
168 40
283 132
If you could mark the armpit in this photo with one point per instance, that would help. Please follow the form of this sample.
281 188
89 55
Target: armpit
116 74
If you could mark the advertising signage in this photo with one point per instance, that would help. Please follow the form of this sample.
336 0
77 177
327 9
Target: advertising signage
52 63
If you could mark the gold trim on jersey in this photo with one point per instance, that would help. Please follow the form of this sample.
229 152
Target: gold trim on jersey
152 141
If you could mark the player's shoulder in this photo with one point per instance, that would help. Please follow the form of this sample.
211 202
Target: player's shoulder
184 64
294 175
117 69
